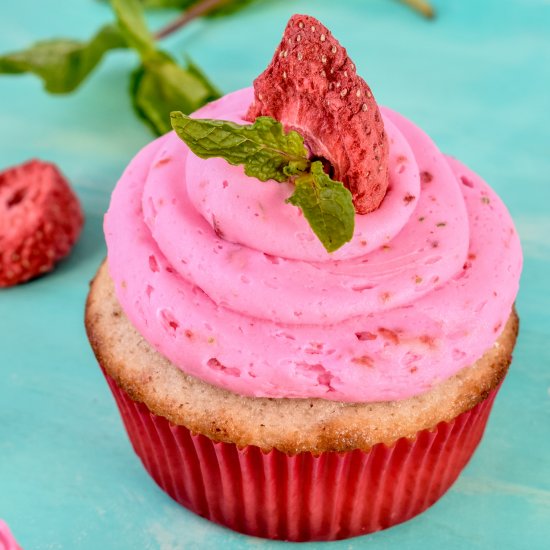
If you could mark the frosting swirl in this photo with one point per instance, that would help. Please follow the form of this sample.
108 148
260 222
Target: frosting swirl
228 281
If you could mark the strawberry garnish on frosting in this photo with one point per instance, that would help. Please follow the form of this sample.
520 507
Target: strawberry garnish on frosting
311 86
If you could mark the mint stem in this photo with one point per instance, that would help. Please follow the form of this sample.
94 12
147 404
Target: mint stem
199 9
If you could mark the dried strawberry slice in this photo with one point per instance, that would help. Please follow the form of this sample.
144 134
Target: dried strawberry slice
311 86
40 220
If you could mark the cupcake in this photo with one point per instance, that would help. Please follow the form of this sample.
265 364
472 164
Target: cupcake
277 373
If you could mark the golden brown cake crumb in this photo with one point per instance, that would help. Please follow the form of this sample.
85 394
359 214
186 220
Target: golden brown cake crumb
290 425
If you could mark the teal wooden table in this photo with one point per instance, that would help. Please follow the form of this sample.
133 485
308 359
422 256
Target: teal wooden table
476 80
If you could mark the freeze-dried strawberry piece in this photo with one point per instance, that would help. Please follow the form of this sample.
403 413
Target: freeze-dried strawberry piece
40 220
311 86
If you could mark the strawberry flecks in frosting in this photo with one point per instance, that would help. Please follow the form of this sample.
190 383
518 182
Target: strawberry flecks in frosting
248 303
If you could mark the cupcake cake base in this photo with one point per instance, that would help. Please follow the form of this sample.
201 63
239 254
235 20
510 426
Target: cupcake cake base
291 469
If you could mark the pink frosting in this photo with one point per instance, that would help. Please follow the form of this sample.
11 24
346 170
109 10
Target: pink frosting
7 542
228 281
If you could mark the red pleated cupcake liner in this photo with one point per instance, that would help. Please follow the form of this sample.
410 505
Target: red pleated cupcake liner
302 497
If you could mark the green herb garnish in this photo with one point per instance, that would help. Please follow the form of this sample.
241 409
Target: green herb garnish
327 206
157 86
63 64
263 147
268 152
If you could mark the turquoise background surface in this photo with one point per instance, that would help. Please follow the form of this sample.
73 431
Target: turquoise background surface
477 79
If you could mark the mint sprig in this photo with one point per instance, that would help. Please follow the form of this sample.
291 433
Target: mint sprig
268 152
63 64
158 85
263 148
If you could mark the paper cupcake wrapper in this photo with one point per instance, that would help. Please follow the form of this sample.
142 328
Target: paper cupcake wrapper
302 497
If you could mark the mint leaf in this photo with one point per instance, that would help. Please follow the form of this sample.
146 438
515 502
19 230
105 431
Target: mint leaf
327 206
63 64
265 150
159 85
129 14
